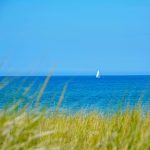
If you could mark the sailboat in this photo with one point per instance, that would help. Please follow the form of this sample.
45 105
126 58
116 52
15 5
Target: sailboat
98 74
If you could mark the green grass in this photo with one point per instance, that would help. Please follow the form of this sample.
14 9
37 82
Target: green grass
22 130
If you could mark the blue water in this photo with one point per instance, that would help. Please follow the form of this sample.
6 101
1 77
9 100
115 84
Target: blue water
109 93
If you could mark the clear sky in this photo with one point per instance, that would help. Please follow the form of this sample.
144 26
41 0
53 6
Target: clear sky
78 37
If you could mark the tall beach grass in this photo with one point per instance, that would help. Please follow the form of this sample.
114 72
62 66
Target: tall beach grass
42 130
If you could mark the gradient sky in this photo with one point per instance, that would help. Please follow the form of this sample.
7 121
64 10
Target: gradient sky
77 37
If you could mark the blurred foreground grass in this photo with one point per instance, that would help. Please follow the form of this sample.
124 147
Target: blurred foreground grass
22 130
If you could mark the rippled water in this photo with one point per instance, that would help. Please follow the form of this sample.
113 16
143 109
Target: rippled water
83 92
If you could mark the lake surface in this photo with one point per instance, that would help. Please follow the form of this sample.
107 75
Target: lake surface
109 93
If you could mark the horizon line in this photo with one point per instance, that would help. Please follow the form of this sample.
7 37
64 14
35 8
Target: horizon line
59 75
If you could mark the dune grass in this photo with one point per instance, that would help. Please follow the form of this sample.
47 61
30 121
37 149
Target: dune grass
22 130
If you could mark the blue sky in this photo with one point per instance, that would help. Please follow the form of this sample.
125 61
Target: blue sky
77 37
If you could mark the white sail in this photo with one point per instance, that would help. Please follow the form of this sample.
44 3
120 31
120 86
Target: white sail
98 74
